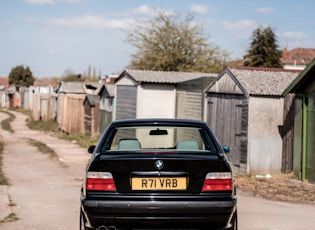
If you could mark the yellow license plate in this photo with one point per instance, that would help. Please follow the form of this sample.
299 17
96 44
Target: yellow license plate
159 183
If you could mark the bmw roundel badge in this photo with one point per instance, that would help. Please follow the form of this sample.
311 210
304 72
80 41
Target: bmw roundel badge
159 164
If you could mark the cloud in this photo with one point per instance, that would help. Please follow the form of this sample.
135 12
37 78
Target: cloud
143 9
242 24
294 34
92 21
146 10
198 9
265 10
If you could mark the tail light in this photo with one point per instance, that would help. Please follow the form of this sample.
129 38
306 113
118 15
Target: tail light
100 181
218 181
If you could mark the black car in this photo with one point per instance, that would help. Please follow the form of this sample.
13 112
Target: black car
158 173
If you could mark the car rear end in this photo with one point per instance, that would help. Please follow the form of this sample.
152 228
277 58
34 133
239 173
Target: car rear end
171 183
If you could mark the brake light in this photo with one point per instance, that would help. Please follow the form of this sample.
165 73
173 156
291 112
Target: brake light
218 181
100 181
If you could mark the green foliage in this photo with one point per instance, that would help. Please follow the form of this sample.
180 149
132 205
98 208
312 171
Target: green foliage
172 43
51 126
21 76
46 126
70 76
264 50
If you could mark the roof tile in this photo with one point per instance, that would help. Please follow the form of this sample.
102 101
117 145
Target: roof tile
298 56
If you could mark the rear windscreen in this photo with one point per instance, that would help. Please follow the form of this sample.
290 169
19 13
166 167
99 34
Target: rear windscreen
160 139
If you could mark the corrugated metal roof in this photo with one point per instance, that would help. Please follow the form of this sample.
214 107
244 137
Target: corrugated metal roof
110 89
72 87
259 81
93 87
91 99
10 89
163 76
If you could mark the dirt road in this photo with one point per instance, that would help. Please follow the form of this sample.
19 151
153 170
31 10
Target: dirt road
45 194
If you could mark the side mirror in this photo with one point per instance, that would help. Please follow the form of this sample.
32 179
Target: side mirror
226 148
91 149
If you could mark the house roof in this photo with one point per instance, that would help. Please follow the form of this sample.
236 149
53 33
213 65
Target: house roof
253 81
298 56
170 77
72 87
4 82
302 80
45 82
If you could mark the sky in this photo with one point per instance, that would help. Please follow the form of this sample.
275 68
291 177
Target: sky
55 37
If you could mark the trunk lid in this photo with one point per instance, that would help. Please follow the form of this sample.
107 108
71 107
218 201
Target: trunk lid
159 173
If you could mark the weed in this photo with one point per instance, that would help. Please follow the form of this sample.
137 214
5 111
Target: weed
3 179
12 217
51 126
43 148
6 123
283 187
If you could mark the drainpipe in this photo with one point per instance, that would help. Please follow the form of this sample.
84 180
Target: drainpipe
304 138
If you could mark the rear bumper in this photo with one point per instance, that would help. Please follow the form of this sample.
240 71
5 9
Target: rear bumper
170 213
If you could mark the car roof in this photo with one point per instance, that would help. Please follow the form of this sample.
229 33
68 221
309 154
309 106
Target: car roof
158 121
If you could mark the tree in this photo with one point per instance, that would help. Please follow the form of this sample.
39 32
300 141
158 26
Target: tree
264 50
21 76
172 43
70 76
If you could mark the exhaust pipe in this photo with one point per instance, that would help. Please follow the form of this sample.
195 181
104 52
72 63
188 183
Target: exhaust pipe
102 228
106 228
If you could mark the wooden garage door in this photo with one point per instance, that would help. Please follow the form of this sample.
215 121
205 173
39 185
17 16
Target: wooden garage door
227 116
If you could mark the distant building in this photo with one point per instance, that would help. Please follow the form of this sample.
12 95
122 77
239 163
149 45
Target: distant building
297 59
4 82
109 79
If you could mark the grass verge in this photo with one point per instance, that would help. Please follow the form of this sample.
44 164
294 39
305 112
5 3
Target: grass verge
3 179
43 148
51 127
6 123
12 217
